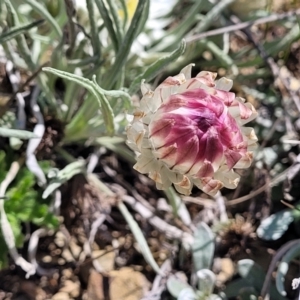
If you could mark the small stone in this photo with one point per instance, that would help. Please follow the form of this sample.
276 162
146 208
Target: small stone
67 273
72 288
67 255
61 296
60 239
95 286
47 259
227 270
61 261
75 249
105 259
127 284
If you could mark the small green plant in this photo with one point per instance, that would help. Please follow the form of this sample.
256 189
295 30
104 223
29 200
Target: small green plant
203 248
23 205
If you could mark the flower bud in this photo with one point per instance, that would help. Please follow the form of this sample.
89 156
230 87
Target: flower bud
190 131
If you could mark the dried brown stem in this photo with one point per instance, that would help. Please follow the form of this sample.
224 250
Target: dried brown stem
281 177
243 25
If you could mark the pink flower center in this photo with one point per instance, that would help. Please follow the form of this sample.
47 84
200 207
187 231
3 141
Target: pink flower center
195 128
206 120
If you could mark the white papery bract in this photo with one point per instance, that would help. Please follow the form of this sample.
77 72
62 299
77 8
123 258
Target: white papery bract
190 131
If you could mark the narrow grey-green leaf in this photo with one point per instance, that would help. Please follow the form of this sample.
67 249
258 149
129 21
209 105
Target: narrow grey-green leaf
53 185
92 87
249 270
21 134
203 247
138 234
108 23
255 276
26 54
13 32
222 57
94 30
123 52
84 82
283 268
46 15
15 143
175 285
114 10
248 293
211 16
177 32
273 227
188 294
206 282
143 18
64 175
118 94
157 67
232 289
71 169
123 4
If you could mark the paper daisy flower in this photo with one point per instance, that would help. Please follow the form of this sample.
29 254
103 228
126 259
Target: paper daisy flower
190 131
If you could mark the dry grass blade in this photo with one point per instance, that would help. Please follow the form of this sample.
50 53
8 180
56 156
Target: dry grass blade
242 25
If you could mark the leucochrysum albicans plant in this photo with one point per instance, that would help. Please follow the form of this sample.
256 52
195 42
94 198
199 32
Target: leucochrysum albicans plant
190 131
